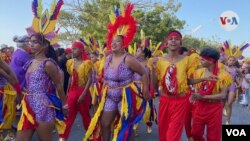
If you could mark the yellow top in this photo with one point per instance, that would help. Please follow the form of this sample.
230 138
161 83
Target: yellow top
224 79
82 70
221 65
185 68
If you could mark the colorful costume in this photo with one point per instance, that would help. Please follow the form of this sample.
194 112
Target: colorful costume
7 104
190 105
95 88
209 112
79 78
172 108
119 93
150 111
41 103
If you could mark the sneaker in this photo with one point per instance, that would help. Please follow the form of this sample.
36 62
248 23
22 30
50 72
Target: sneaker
149 130
227 122
244 100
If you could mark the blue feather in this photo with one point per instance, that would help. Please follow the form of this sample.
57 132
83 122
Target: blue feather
117 13
34 7
244 47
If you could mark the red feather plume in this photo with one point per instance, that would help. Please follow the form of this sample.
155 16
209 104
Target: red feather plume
128 20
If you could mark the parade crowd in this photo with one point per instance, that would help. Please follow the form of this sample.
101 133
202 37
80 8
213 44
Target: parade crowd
114 86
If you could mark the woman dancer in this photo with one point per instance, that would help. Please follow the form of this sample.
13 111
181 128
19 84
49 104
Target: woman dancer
119 93
40 106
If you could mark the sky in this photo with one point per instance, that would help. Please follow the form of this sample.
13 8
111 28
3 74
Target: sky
16 15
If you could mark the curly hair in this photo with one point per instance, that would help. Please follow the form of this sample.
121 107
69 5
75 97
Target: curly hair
210 52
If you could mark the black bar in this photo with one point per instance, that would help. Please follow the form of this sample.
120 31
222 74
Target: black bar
236 132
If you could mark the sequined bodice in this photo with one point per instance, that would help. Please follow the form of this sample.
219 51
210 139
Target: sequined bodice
116 77
37 81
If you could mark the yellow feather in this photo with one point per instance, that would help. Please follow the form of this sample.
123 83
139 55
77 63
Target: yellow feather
122 9
40 8
150 45
130 49
52 7
158 45
95 119
112 17
135 48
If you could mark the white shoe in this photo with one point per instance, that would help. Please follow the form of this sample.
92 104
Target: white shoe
244 100
149 130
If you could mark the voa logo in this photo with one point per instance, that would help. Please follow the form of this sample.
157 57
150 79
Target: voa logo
229 20
236 132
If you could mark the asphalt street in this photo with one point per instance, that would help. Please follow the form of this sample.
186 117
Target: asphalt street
240 116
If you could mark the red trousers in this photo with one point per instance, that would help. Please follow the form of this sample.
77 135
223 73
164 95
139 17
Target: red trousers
207 114
189 117
82 107
172 112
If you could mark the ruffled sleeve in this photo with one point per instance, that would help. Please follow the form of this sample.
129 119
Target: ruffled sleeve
158 70
225 80
193 63
69 66
83 71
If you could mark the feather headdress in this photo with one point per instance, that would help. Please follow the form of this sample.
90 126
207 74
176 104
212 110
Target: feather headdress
45 22
235 52
122 23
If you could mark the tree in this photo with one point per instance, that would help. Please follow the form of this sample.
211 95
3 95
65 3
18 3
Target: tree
196 43
90 17
158 22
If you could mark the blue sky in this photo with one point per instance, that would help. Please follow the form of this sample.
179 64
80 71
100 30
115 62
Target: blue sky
206 13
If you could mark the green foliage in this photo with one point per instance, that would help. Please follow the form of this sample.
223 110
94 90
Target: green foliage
196 43
90 18
156 23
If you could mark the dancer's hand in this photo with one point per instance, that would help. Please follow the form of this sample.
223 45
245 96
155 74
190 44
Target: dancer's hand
65 110
211 78
146 96
80 99
197 96
191 99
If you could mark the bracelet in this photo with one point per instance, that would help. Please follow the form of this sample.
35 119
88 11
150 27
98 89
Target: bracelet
17 88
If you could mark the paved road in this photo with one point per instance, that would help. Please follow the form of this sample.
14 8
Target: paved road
240 116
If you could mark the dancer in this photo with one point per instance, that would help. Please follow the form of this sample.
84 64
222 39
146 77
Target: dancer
44 102
78 100
209 97
143 54
9 89
95 87
231 69
119 93
171 73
